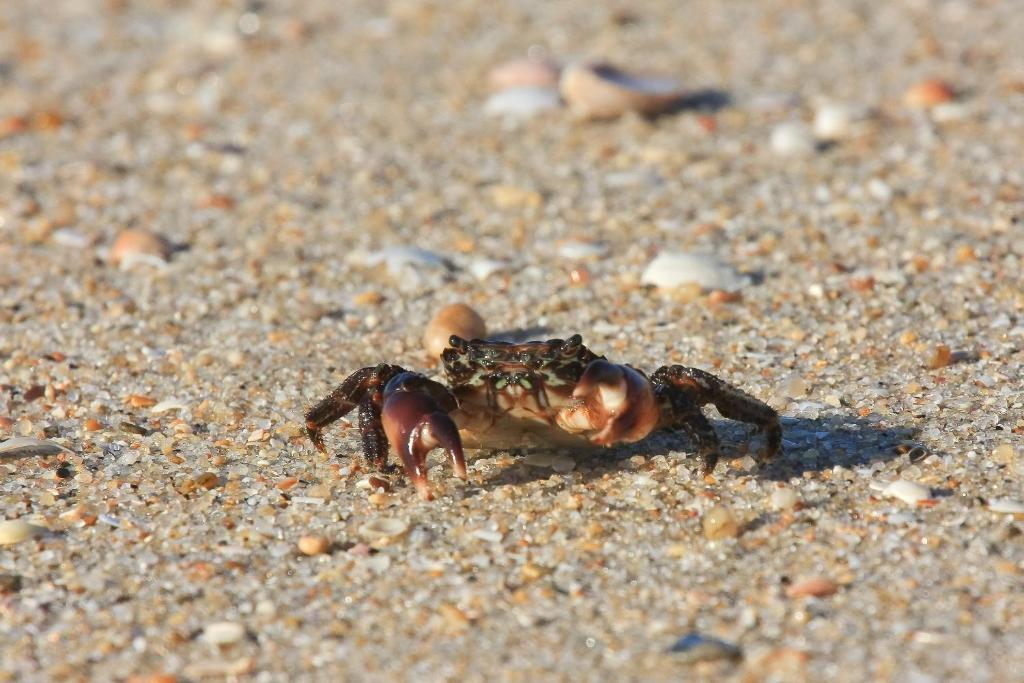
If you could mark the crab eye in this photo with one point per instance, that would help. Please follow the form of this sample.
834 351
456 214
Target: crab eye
571 345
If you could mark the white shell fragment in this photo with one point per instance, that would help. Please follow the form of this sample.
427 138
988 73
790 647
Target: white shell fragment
383 528
579 251
908 491
15 531
223 633
792 139
674 268
602 91
522 103
1006 506
26 446
396 259
484 268
166 406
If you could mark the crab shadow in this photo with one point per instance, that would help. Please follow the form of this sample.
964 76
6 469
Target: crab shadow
809 445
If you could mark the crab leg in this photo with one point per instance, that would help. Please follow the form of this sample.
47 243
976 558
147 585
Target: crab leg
683 391
363 388
415 419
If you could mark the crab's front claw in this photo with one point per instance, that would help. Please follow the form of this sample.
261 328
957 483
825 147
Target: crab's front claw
614 404
416 424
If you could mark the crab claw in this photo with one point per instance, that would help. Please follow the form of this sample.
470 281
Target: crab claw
416 424
615 404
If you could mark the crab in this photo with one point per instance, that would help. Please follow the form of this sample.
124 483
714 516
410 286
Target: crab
539 393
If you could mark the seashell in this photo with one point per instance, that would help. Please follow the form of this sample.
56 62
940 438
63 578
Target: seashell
580 251
671 269
396 259
25 446
694 647
602 91
165 406
523 102
383 528
135 246
483 269
1007 506
458 319
223 633
17 530
908 491
525 73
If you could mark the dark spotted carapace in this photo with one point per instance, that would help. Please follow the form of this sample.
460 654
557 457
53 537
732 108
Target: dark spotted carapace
532 365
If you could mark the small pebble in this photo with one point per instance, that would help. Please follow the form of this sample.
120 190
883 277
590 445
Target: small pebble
602 91
563 464
1003 453
928 93
832 121
522 103
516 197
458 319
694 647
793 138
139 246
223 633
383 528
718 523
313 545
816 587
908 491
784 498
674 269
16 530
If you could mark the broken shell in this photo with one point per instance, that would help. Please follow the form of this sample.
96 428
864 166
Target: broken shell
694 647
223 633
383 528
1007 507
522 73
580 251
139 246
458 319
522 103
165 406
15 531
673 269
907 491
25 446
602 91
484 268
